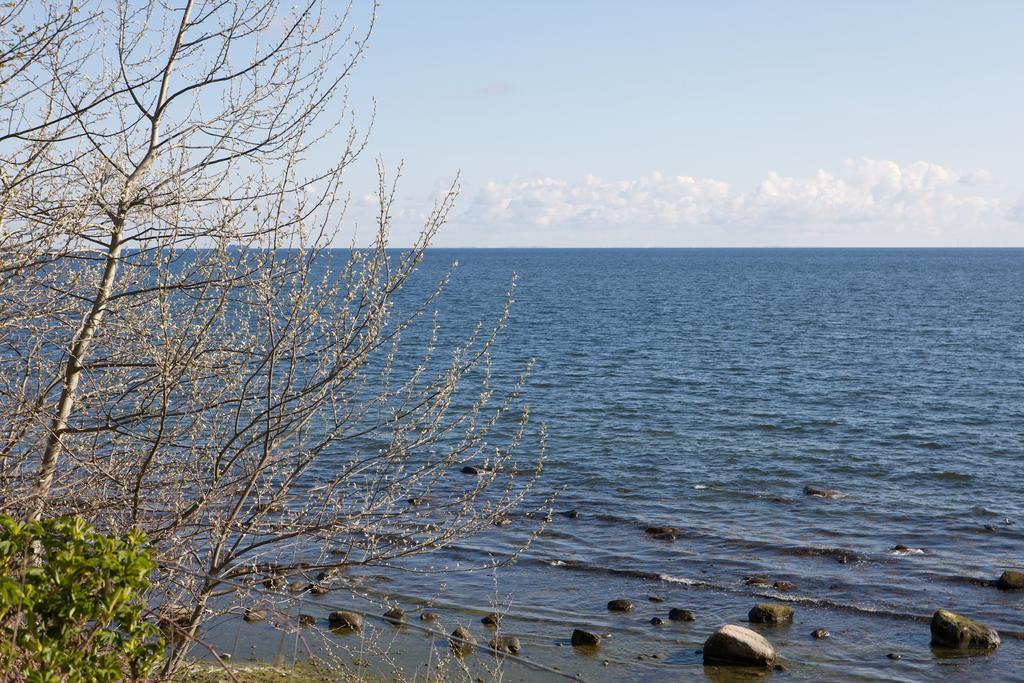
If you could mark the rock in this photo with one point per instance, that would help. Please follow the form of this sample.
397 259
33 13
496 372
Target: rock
657 621
755 581
733 644
492 620
820 633
273 582
679 614
307 620
659 530
343 619
1011 580
581 638
783 586
175 615
506 645
469 469
395 615
955 631
819 492
768 613
430 616
620 605
462 641
253 615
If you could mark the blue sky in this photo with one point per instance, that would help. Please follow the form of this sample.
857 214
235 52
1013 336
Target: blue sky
703 124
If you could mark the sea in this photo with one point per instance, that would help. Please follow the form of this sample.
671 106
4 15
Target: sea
706 390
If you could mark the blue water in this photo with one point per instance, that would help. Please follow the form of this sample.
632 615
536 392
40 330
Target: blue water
704 389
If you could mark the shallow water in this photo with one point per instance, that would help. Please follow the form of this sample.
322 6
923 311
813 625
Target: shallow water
704 389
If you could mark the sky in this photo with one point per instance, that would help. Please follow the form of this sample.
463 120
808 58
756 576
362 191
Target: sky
650 123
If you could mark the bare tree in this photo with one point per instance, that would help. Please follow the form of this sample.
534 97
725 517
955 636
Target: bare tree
179 349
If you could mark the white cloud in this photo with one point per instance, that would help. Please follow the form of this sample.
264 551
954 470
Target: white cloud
867 202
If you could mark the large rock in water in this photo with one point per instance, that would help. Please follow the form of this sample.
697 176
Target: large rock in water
819 492
462 641
343 619
955 631
767 613
733 644
581 638
1011 581
505 645
620 605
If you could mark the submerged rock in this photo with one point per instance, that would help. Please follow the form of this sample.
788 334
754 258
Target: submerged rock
955 631
655 598
620 605
307 620
1011 581
769 613
820 633
319 589
783 586
430 616
343 619
493 620
506 645
572 514
581 638
679 614
818 492
659 530
461 641
756 581
395 615
733 644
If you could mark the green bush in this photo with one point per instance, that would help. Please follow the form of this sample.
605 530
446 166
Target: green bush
71 603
